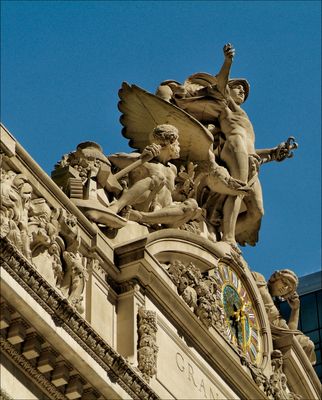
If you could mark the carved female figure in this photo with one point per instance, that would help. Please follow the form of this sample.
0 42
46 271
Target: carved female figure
283 284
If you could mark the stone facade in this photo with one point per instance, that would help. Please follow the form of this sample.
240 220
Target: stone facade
122 276
126 311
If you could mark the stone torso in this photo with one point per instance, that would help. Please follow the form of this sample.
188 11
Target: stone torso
163 177
234 121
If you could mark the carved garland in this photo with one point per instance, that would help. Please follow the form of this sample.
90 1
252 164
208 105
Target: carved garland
200 293
147 348
64 314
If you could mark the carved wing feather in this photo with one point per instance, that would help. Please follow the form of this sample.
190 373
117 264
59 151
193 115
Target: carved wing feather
143 111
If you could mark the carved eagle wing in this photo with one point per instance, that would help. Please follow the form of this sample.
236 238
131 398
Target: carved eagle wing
143 111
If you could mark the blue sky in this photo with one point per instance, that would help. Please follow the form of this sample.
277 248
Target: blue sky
63 63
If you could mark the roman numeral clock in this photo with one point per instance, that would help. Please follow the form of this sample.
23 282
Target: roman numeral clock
244 321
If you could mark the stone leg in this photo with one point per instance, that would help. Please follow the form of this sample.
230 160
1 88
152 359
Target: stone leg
235 155
142 191
248 223
173 216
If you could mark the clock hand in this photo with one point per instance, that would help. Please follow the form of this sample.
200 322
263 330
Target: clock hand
243 325
239 315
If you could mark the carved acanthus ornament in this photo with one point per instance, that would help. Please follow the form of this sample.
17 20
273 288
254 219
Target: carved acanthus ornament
200 293
15 204
275 387
47 237
147 348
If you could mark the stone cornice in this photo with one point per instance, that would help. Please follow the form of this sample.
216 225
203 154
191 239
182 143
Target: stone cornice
33 374
67 317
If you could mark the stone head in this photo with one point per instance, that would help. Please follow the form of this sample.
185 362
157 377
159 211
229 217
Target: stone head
282 283
239 90
167 137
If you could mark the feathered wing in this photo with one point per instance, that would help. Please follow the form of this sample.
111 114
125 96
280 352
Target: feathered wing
143 111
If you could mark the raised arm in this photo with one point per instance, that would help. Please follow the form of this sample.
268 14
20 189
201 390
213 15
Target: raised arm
122 160
223 75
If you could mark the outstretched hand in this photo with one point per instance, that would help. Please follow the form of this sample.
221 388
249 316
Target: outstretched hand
284 150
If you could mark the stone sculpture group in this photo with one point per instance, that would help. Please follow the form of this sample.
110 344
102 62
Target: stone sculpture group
199 128
195 168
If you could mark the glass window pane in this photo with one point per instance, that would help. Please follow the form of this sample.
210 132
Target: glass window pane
318 370
308 312
319 301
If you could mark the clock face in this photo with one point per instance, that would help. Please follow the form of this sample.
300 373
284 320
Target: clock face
241 319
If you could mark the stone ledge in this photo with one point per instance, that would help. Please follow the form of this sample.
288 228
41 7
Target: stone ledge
65 316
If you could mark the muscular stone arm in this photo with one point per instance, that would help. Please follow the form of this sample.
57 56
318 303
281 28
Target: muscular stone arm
294 303
122 160
278 153
223 75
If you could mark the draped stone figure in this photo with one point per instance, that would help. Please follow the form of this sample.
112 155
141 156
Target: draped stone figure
283 284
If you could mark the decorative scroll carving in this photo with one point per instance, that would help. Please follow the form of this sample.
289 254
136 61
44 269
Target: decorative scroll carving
278 380
147 348
275 387
202 295
76 275
15 204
